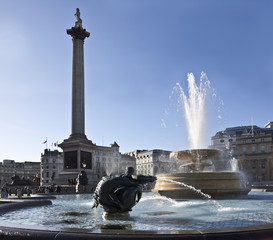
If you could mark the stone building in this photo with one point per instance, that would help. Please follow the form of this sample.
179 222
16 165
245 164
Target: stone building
152 162
25 170
252 146
106 160
125 162
51 164
109 161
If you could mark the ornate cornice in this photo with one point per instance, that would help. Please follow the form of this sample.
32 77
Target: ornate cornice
77 33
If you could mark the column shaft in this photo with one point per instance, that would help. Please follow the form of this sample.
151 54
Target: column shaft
78 115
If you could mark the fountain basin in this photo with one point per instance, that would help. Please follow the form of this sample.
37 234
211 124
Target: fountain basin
155 217
218 185
193 154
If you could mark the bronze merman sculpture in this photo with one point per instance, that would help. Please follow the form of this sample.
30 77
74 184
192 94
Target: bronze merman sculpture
120 194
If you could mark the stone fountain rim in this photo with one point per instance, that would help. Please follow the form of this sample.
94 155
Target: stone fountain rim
199 173
191 154
259 231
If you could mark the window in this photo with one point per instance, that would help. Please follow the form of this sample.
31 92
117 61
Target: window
253 149
254 164
253 140
263 164
244 149
262 140
244 141
262 148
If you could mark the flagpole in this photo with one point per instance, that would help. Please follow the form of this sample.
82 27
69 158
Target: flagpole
45 142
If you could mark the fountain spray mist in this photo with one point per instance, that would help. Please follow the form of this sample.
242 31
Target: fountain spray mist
195 109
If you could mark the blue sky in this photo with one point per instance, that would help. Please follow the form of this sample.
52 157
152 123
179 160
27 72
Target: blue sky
136 53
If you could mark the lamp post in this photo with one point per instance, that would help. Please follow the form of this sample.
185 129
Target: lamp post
84 165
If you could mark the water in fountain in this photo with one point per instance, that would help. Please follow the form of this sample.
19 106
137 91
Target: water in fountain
157 213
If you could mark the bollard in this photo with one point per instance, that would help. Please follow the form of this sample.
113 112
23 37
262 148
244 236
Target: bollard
19 193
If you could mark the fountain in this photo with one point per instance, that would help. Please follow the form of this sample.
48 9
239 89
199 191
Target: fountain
218 184
204 169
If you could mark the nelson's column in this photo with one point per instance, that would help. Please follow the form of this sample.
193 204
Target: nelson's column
77 148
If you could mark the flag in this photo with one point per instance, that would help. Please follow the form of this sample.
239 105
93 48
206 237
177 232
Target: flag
45 141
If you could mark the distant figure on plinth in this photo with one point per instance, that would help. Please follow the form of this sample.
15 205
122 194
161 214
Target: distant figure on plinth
82 178
120 194
82 181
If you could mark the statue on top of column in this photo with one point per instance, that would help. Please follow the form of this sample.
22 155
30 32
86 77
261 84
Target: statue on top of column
78 23
77 32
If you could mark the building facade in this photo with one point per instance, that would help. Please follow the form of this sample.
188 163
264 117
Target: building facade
25 170
51 165
106 160
252 146
152 162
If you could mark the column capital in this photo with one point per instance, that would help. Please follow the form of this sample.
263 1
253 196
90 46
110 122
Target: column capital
77 33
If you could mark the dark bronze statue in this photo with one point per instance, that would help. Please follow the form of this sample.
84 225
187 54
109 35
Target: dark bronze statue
120 194
17 181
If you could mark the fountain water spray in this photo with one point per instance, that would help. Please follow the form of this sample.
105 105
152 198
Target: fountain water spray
195 109
198 191
234 164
